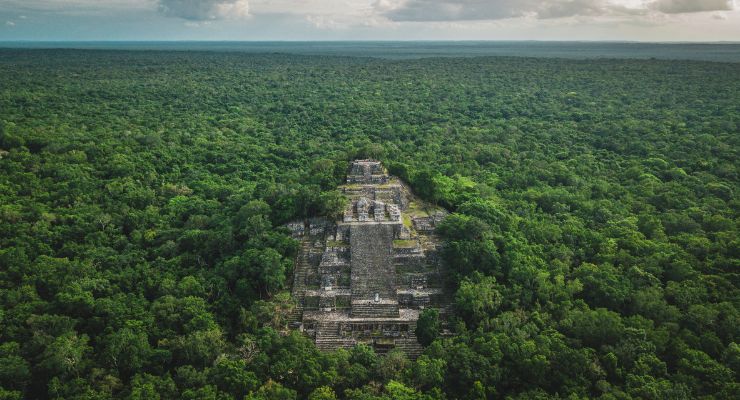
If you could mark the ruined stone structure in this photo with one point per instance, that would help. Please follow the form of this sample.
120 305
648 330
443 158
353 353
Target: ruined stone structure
366 278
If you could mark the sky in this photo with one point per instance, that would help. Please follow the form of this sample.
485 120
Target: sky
264 20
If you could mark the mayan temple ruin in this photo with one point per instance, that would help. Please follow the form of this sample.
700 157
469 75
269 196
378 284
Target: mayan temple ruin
366 278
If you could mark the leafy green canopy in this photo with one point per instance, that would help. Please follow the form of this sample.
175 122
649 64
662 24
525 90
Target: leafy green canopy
593 248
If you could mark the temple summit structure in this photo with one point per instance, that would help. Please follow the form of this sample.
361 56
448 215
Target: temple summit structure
366 278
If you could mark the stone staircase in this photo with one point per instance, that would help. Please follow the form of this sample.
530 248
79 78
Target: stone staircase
410 346
328 337
302 266
295 316
375 310
446 311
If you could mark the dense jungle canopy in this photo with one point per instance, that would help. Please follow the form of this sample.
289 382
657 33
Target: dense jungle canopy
592 250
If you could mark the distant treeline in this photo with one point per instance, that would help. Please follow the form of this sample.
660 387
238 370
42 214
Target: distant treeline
721 52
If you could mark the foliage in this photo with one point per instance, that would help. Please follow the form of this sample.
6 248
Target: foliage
428 326
592 249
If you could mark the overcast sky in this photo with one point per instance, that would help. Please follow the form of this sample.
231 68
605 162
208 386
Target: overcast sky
643 20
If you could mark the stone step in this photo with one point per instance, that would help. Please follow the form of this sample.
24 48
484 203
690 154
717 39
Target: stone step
329 345
302 268
410 346
328 337
295 316
375 310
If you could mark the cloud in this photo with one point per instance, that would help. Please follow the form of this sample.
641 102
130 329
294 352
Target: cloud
10 23
690 6
458 10
452 10
461 10
573 8
204 10
326 22
73 5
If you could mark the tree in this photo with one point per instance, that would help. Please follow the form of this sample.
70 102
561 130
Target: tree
322 393
468 246
333 204
232 376
15 371
65 356
703 374
425 185
428 326
477 298
200 347
399 391
599 327
604 285
147 386
128 349
428 373
256 272
253 219
392 365
272 391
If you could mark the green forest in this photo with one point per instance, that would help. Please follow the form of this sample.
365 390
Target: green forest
592 248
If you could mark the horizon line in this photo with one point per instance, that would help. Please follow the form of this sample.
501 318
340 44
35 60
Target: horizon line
371 41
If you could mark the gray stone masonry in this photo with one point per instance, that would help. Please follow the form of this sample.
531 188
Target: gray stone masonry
373 273
366 278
